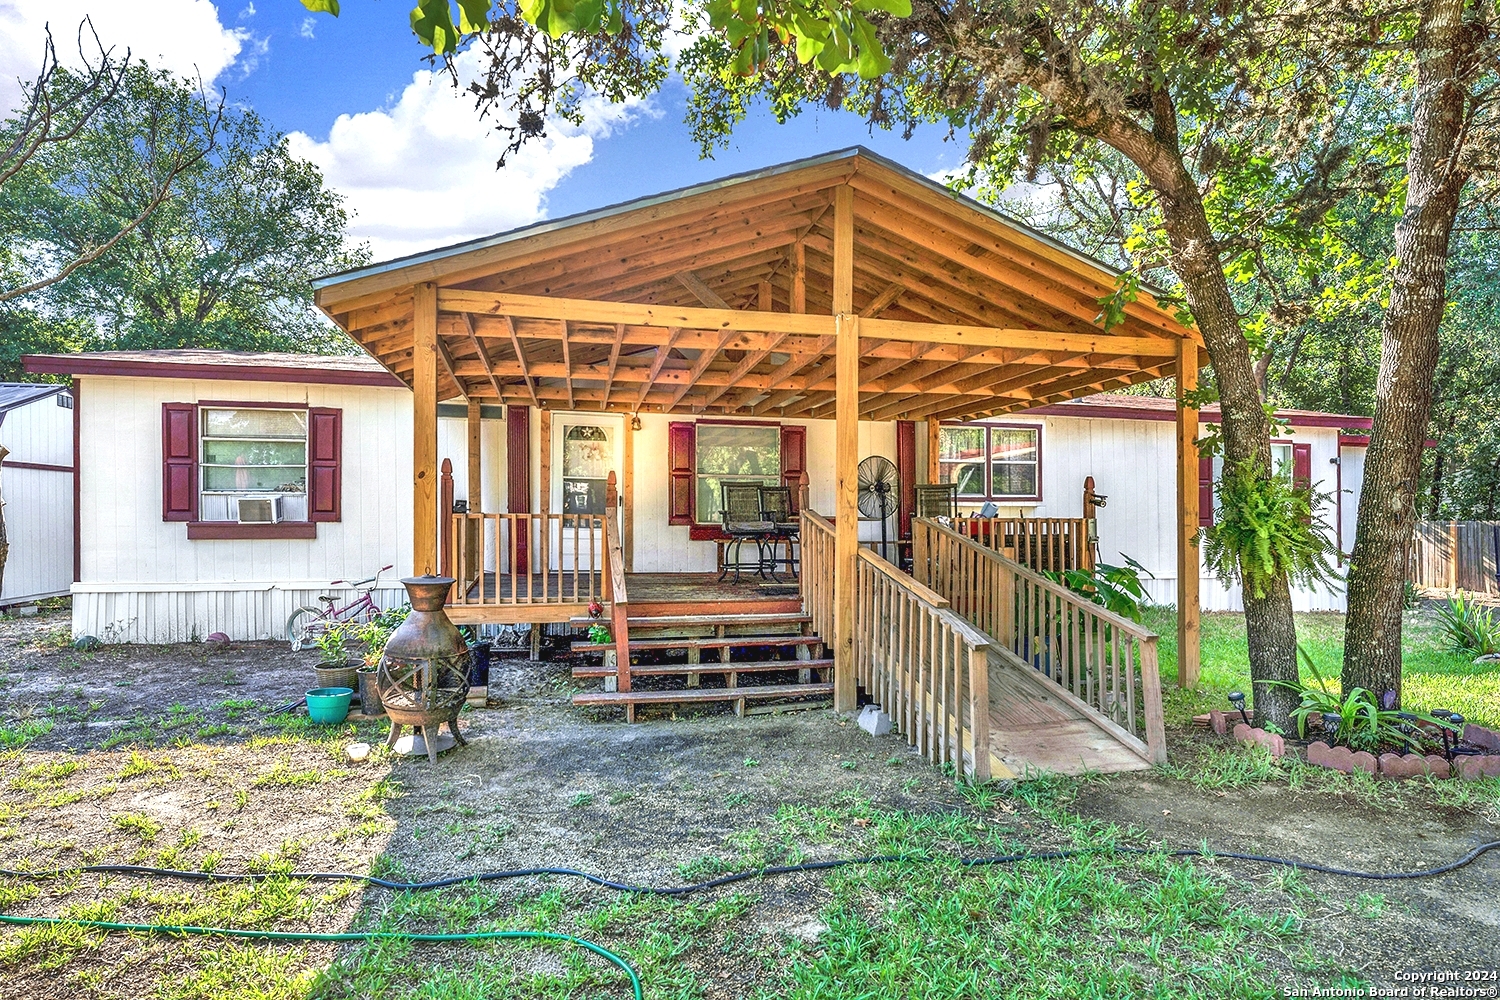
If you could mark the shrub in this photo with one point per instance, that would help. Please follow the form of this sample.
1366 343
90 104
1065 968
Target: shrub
1117 588
1363 723
1469 628
376 632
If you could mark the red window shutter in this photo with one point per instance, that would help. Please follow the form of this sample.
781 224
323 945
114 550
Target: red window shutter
179 462
793 460
906 475
1302 465
681 457
1206 491
325 450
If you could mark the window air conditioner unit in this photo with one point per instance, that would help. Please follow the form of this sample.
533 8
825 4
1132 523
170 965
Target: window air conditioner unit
259 510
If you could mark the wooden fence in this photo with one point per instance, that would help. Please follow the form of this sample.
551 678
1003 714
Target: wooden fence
925 665
1044 544
1106 662
1455 555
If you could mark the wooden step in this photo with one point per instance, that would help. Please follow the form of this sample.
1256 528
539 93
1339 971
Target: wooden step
716 642
707 667
701 694
690 621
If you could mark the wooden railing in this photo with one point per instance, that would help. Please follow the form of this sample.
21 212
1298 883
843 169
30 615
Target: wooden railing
925 665
614 585
1044 544
520 549
1105 662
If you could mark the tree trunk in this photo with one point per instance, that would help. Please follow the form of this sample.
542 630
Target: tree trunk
1269 625
1408 355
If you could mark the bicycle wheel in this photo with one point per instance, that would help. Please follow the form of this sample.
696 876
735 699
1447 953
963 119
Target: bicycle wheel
304 625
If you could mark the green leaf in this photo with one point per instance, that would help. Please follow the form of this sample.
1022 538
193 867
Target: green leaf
896 8
473 15
432 21
322 6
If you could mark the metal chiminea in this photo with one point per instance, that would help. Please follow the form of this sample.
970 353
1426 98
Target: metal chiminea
424 671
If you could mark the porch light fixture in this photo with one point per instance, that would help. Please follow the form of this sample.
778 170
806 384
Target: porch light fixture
635 421
1237 699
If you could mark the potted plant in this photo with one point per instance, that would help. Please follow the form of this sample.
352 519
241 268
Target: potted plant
373 635
335 669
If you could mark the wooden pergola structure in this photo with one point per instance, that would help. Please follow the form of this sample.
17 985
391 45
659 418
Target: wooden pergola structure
842 287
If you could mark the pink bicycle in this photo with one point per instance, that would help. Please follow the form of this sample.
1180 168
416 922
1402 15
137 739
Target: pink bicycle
307 623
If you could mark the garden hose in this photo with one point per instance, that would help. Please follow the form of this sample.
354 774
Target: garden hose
253 935
679 890
750 873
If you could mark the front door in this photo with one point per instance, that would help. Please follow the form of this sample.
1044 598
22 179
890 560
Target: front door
585 449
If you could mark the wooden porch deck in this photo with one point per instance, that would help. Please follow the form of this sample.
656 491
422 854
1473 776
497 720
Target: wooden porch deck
554 599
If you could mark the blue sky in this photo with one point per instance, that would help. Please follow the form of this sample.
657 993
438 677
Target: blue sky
413 161
362 59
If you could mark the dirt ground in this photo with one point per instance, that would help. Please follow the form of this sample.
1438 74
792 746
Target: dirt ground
167 756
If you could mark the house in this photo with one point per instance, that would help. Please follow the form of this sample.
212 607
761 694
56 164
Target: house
36 485
550 416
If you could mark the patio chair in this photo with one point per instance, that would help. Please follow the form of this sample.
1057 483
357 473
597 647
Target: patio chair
937 500
776 510
743 523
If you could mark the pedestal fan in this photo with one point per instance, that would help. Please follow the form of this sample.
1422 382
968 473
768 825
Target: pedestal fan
878 494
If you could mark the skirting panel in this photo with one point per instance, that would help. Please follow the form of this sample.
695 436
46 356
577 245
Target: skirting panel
171 616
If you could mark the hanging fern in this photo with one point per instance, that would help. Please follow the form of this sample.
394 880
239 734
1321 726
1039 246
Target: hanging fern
1264 527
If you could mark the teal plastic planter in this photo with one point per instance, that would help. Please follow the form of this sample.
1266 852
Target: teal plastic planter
328 706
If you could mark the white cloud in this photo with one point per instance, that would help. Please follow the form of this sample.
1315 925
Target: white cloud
184 36
421 172
309 28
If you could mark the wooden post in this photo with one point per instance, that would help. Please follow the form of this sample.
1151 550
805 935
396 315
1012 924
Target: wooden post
1090 548
627 497
472 542
1188 602
979 713
846 452
543 564
445 519
933 426
424 430
614 583
804 494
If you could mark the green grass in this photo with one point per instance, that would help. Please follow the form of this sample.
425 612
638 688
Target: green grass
1432 676
1094 926
20 733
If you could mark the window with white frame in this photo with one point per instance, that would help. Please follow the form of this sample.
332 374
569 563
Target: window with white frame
252 454
729 453
1001 462
1281 461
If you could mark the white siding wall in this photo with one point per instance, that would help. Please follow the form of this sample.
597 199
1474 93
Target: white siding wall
38 502
1133 463
143 581
664 548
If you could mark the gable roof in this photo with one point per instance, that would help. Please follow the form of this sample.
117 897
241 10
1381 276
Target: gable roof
433 258
246 366
718 299
15 394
